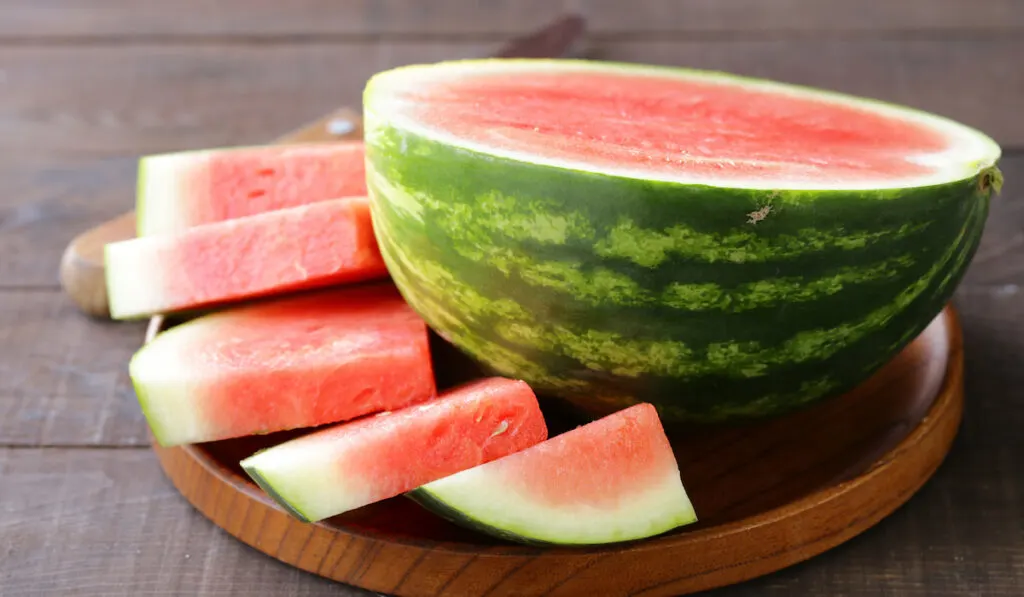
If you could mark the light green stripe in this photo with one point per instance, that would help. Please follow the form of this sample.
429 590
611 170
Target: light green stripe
651 248
600 286
774 291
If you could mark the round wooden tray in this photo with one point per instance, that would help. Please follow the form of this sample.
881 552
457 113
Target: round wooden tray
768 495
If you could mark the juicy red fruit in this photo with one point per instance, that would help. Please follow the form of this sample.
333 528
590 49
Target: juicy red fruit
676 126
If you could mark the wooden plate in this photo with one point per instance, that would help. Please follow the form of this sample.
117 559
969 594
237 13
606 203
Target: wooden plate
769 495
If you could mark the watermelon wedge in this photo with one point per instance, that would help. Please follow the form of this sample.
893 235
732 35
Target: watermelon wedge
721 247
354 464
614 479
302 247
185 189
285 363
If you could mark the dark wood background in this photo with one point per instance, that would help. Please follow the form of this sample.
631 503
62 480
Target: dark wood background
88 85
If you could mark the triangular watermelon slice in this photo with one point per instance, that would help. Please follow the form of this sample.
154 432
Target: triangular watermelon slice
614 479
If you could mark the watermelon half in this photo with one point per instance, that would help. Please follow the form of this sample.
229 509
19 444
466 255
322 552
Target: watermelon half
354 464
721 247
180 190
302 247
284 363
614 479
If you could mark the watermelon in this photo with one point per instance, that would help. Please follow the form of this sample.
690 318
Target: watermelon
614 479
185 189
302 247
724 248
284 363
354 464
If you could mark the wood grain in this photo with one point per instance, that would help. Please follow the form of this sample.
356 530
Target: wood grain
120 19
106 523
769 495
68 102
63 378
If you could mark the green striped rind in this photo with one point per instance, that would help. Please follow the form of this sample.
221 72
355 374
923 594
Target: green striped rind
711 302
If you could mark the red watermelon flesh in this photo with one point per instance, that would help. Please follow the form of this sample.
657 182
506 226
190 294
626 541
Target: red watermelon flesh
303 247
185 189
290 362
698 128
614 479
354 464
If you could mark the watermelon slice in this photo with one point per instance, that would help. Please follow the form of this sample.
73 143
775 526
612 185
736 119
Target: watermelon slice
614 479
354 464
284 363
184 189
301 247
722 247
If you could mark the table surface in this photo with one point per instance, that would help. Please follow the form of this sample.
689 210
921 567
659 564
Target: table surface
88 86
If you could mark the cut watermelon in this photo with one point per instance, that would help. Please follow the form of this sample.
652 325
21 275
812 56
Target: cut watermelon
721 247
614 479
301 247
180 190
354 464
284 363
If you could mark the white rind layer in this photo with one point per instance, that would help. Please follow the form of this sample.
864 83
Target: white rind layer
169 388
486 495
133 284
305 474
163 190
969 151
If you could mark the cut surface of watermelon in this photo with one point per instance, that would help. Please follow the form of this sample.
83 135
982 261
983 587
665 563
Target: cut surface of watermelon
354 464
284 363
677 125
614 479
180 190
309 246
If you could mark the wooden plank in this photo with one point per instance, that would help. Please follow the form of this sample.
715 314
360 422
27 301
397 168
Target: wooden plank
802 17
102 101
46 202
121 19
64 377
105 523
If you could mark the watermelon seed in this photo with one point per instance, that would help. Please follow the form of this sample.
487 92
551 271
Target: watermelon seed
502 428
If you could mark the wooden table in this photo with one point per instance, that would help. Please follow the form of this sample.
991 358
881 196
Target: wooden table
87 86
